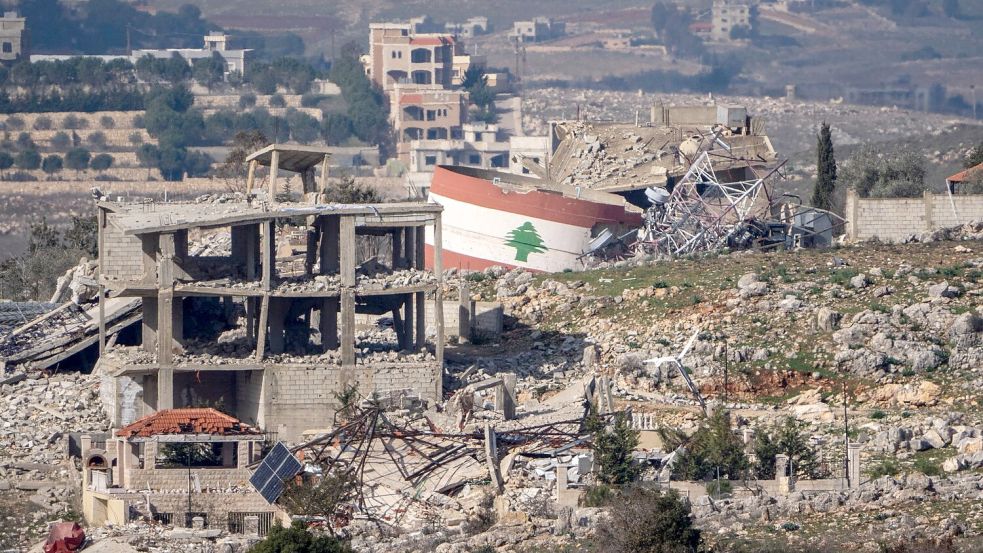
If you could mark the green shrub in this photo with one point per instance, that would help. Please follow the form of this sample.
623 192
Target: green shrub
717 488
42 123
878 415
613 446
928 467
646 520
297 539
61 141
598 495
713 447
843 276
887 467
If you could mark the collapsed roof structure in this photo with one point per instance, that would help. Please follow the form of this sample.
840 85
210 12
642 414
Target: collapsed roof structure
406 465
707 177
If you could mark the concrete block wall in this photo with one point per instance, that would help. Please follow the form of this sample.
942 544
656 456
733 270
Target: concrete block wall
961 210
216 505
123 255
419 377
176 479
488 318
299 398
250 396
895 219
294 399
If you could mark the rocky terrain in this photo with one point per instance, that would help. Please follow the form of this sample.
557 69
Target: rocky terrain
894 332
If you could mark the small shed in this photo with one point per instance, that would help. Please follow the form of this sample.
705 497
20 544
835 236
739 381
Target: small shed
290 157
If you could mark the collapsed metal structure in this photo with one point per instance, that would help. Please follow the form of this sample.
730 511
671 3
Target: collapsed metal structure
396 465
705 213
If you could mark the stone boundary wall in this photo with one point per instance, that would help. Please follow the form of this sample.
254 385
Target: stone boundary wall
895 219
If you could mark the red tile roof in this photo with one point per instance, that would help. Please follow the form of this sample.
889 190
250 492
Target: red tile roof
406 99
964 176
186 421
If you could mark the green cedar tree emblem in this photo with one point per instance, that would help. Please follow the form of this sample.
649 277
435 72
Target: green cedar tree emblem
526 240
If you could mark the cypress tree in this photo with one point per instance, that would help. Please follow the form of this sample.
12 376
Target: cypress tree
822 194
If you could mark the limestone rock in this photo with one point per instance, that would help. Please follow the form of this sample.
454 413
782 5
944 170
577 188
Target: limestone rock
944 290
828 320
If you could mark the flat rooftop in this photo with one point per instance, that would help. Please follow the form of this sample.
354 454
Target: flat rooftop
144 218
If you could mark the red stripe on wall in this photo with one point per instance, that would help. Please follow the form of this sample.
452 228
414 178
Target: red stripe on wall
549 206
454 260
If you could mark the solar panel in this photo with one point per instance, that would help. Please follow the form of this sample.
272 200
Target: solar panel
277 467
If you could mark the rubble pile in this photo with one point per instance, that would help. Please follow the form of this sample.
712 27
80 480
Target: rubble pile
970 231
790 124
78 285
35 468
888 498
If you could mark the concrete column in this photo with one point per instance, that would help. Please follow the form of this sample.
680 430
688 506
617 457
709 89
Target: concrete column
781 465
852 213
165 327
149 455
853 464
465 311
100 245
505 396
438 269
165 388
783 475
268 253
348 327
274 170
242 454
346 246
324 173
251 177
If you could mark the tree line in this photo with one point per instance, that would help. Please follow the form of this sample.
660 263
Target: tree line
106 26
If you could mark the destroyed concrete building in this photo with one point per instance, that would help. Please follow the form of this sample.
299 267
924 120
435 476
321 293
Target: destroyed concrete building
262 319
625 157
695 178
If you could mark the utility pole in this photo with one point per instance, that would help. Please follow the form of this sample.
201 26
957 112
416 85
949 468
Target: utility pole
187 522
726 375
129 48
846 440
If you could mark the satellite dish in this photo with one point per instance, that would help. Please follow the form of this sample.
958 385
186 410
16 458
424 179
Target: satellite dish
657 195
599 241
